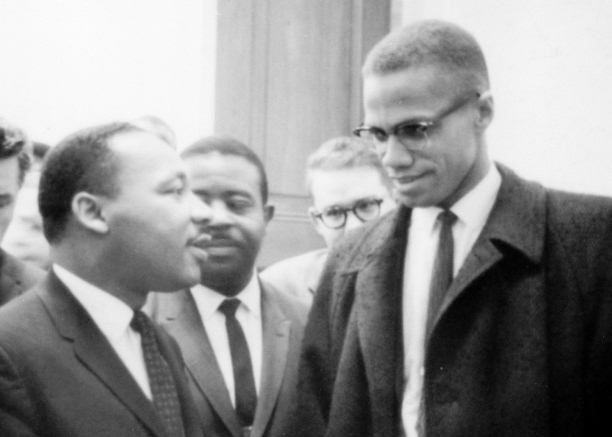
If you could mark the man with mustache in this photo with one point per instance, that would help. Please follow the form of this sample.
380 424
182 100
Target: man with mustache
240 337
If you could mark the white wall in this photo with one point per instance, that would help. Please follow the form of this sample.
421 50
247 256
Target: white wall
550 65
67 64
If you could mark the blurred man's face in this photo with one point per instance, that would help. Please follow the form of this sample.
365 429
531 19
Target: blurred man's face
344 188
231 187
453 160
153 221
9 186
24 237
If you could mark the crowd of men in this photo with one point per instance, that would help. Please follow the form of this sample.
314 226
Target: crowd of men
452 298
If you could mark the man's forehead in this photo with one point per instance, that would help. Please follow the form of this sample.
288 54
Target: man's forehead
411 86
345 186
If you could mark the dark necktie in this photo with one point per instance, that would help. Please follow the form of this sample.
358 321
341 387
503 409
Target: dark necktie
442 274
244 382
163 389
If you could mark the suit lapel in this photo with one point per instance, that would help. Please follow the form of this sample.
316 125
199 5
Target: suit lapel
186 325
276 332
93 350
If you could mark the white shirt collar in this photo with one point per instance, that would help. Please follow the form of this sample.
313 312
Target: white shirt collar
110 314
474 207
208 300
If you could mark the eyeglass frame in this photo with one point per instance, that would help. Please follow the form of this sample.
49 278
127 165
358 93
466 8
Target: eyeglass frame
424 125
345 210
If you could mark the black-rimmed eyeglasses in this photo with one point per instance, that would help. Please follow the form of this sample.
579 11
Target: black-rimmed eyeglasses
412 134
334 217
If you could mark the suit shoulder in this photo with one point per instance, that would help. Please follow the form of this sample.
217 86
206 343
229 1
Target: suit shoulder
291 306
295 263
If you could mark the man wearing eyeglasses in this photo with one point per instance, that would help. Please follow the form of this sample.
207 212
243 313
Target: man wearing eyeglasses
348 187
483 306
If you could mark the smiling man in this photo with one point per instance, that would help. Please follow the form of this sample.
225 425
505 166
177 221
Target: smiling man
77 356
240 337
482 306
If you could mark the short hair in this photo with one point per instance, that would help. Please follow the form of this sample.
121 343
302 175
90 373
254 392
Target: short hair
430 43
14 142
342 153
82 161
157 126
226 145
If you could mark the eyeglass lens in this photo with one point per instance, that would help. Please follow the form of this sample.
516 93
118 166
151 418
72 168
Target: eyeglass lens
366 209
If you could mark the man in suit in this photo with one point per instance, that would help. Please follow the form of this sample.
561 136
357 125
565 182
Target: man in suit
15 275
240 337
348 187
483 306
77 356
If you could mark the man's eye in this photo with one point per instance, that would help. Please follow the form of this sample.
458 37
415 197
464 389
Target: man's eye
178 190
333 213
5 201
413 131
239 204
379 135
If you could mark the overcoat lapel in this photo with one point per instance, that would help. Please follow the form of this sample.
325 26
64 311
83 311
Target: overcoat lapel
378 302
516 222
276 332
94 351
183 322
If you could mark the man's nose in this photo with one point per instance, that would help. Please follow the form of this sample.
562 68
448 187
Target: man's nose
220 214
396 154
352 221
200 211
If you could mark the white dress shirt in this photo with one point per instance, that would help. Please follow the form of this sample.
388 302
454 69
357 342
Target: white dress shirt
472 211
112 316
248 315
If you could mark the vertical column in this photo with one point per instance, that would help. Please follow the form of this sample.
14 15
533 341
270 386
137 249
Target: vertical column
288 78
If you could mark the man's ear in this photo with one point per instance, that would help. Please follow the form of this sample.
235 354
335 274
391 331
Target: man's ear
268 213
88 210
486 110
315 221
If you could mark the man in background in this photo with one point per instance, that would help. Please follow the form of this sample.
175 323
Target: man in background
240 337
24 237
15 275
348 187
483 305
77 356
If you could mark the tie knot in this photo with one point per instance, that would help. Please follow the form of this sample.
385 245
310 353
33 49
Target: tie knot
140 322
229 306
447 218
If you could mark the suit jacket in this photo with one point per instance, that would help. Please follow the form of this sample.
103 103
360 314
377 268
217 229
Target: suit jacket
283 319
16 276
522 345
298 275
59 376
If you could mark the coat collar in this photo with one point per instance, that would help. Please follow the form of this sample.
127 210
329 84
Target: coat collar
516 225
93 350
